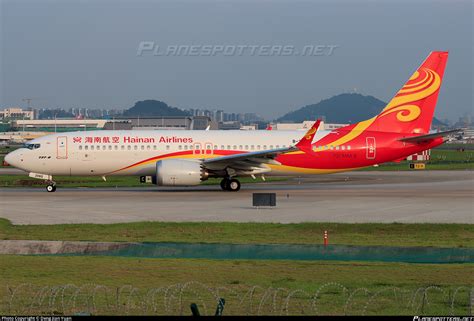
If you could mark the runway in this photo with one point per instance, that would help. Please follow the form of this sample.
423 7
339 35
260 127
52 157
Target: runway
355 197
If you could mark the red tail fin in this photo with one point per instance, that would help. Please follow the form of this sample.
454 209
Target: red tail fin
410 111
412 108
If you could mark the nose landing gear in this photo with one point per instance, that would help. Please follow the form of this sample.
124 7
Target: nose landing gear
48 179
51 187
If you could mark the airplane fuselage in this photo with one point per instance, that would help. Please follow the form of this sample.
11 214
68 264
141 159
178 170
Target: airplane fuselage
105 153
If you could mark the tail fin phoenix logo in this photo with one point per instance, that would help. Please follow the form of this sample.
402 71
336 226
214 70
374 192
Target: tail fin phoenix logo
310 133
421 84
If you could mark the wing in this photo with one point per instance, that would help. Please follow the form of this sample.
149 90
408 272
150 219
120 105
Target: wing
256 162
245 164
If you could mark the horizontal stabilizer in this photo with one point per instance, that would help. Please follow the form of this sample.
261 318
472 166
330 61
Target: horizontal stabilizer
425 138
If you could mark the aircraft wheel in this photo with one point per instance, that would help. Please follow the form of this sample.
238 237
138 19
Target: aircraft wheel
233 185
51 188
224 184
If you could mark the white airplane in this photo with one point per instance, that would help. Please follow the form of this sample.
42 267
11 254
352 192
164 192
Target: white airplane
186 158
171 157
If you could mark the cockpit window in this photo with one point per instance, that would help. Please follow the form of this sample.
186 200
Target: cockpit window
32 146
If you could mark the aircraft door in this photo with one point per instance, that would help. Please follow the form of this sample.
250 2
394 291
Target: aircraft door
61 147
371 148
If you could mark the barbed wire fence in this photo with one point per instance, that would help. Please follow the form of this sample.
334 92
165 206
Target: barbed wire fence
329 299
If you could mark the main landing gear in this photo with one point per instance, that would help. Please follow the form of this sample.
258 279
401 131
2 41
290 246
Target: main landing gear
51 187
230 184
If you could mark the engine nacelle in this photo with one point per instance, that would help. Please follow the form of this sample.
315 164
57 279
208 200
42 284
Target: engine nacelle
179 172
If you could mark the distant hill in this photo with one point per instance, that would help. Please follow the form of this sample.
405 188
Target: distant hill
151 108
341 109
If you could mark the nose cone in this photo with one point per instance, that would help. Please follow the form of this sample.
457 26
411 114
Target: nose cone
13 158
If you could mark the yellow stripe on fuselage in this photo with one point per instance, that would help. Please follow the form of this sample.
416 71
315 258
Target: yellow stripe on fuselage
304 170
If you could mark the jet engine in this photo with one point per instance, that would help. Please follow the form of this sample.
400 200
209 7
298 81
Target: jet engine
180 172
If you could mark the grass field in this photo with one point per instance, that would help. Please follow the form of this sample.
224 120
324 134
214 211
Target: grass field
404 166
236 278
440 160
96 181
121 285
396 234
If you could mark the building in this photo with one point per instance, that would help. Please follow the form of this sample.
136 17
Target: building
162 123
58 125
248 127
305 125
229 125
155 123
20 137
17 113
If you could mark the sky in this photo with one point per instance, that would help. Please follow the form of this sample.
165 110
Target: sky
103 54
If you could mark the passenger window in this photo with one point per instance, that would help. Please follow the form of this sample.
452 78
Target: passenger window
277 146
252 147
110 147
241 147
148 147
98 147
92 147
343 147
86 147
228 147
122 147
348 147
258 147
235 147
264 147
180 147
337 147
215 146
115 147
80 147
142 147
185 147
135 147
104 147
129 147
167 147
271 146
246 147
222 147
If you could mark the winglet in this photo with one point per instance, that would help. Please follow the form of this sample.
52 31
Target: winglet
305 142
